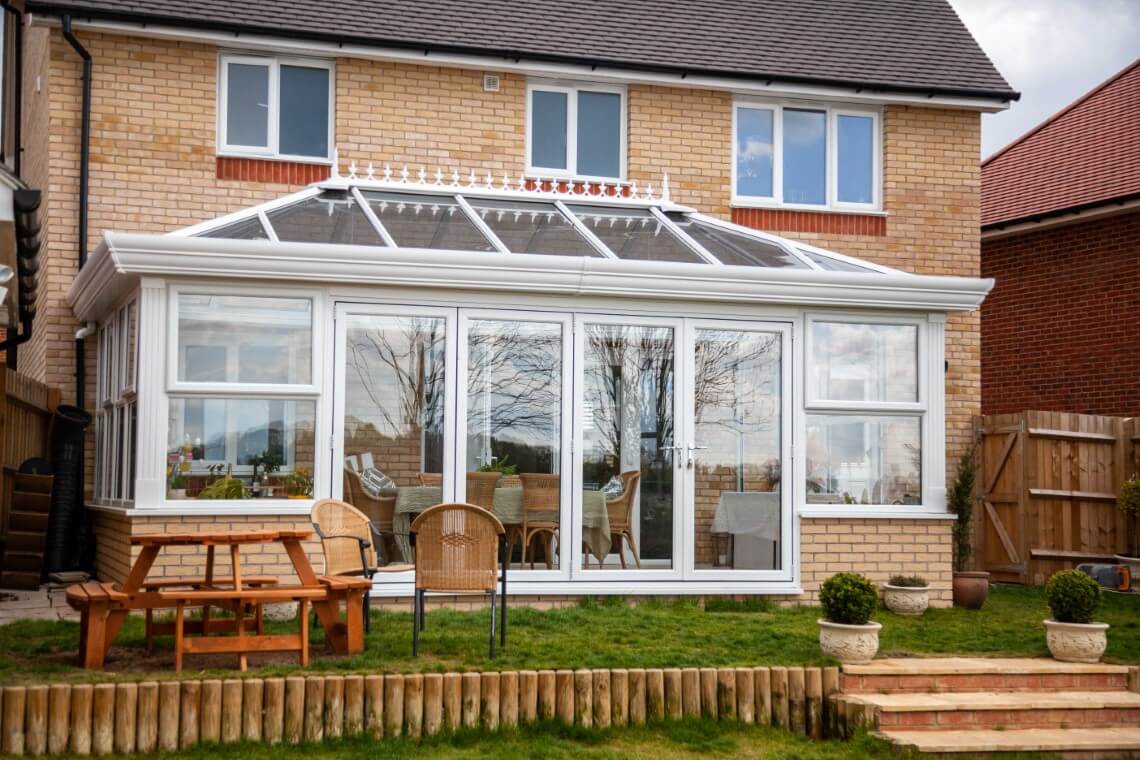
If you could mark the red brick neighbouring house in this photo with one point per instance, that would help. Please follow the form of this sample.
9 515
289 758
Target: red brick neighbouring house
1061 236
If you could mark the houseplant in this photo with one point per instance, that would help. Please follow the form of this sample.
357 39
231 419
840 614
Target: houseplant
970 587
1128 502
299 484
177 484
1071 634
907 594
845 631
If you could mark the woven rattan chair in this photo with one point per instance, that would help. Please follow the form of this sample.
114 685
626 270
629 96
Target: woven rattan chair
542 495
620 511
459 550
481 488
347 540
431 479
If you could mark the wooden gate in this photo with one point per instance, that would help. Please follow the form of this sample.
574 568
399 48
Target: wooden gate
1047 491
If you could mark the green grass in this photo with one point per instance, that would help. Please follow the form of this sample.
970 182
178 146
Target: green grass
602 633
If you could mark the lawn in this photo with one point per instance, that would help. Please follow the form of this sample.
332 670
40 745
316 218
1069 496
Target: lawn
605 633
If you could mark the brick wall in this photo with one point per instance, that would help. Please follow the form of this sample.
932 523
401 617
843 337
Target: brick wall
1061 329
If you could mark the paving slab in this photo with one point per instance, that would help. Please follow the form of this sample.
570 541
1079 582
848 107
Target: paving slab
1018 740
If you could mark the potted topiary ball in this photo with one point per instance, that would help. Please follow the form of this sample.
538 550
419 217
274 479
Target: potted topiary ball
907 595
845 632
1072 635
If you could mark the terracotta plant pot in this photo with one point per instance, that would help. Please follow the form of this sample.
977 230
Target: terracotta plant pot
849 643
971 589
1076 642
906 600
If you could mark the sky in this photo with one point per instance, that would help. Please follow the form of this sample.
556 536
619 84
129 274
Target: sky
1051 51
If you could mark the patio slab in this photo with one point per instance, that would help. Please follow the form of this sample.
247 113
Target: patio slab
1121 739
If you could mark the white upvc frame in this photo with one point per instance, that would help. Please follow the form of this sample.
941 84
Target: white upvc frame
612 572
571 90
273 128
567 554
789 391
115 397
831 115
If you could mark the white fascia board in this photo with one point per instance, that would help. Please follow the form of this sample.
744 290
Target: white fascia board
100 284
129 256
760 86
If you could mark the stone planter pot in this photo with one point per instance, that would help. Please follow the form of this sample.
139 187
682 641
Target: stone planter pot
971 589
906 600
177 493
849 643
1076 642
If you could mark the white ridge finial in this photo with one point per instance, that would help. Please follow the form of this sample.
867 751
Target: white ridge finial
471 180
352 169
665 187
387 172
438 176
404 174
371 172
455 178
334 170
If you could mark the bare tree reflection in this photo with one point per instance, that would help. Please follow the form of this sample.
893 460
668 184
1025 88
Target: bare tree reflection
737 380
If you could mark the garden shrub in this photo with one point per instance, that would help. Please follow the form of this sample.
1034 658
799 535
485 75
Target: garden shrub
848 598
907 581
1073 596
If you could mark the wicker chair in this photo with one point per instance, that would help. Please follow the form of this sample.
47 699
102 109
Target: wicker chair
431 479
542 495
347 537
480 486
460 549
620 512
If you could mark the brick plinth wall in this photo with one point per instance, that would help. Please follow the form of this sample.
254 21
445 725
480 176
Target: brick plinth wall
1061 329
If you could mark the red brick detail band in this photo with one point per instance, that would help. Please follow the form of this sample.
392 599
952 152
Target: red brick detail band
267 170
781 220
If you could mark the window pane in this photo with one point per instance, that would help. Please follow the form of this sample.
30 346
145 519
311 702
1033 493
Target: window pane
634 234
427 221
599 134
394 403
856 159
735 248
304 107
244 339
737 461
247 105
833 265
754 141
533 228
246 229
331 217
514 427
863 460
860 362
805 156
225 448
548 129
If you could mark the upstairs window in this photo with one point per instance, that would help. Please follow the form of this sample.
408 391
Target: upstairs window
576 131
275 107
805 157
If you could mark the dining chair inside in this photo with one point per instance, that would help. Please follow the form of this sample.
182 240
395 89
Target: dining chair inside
542 496
620 513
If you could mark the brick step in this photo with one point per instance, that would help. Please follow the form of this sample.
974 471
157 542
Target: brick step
973 674
1099 743
1000 710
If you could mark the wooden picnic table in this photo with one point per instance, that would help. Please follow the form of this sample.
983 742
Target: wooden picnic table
109 606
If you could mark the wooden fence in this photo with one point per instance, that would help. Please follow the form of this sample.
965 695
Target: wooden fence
1047 487
99 719
26 408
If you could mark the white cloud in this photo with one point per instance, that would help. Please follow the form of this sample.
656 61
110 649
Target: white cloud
1052 51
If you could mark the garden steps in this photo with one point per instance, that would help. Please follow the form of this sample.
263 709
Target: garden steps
1002 709
972 674
1073 743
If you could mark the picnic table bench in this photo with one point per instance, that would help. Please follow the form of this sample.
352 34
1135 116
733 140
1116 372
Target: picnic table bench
206 624
94 601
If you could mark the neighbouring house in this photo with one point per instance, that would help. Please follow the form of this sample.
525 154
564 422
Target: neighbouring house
700 285
1061 238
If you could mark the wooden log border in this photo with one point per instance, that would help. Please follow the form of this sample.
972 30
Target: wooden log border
148 717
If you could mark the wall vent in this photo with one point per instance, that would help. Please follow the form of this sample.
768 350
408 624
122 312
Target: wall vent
490 83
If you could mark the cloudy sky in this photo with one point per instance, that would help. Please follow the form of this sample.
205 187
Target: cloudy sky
1051 51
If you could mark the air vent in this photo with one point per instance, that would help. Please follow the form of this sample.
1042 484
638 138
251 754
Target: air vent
490 83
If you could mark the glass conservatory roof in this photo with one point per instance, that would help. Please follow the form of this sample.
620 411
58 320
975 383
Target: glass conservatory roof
544 217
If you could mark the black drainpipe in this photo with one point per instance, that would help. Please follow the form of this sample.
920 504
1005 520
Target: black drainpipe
84 162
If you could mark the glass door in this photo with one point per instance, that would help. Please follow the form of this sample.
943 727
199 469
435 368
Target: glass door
738 507
626 494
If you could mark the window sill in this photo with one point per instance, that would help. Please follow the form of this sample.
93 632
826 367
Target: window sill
284 171
195 508
759 203
872 512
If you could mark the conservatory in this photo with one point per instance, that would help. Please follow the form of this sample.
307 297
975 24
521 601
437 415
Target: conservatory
651 399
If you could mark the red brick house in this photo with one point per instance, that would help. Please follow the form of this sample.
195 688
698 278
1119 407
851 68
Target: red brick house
1061 238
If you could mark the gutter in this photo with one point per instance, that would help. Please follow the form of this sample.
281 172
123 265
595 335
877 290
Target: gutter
1044 219
84 186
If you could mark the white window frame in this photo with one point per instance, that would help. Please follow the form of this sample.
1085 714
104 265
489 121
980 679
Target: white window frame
832 114
572 90
115 398
273 64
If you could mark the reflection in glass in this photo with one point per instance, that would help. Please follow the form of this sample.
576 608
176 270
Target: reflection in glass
634 234
599 134
528 227
627 438
805 156
863 459
754 141
331 217
427 221
831 264
737 460
864 362
548 129
244 339
514 428
304 107
246 229
735 248
856 145
247 105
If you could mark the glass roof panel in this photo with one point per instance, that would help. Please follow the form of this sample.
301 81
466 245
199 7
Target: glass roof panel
635 233
331 217
735 248
246 229
833 265
527 227
427 221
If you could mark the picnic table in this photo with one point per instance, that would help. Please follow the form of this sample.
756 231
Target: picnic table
104 606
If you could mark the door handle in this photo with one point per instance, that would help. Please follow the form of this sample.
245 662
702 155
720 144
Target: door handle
691 448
